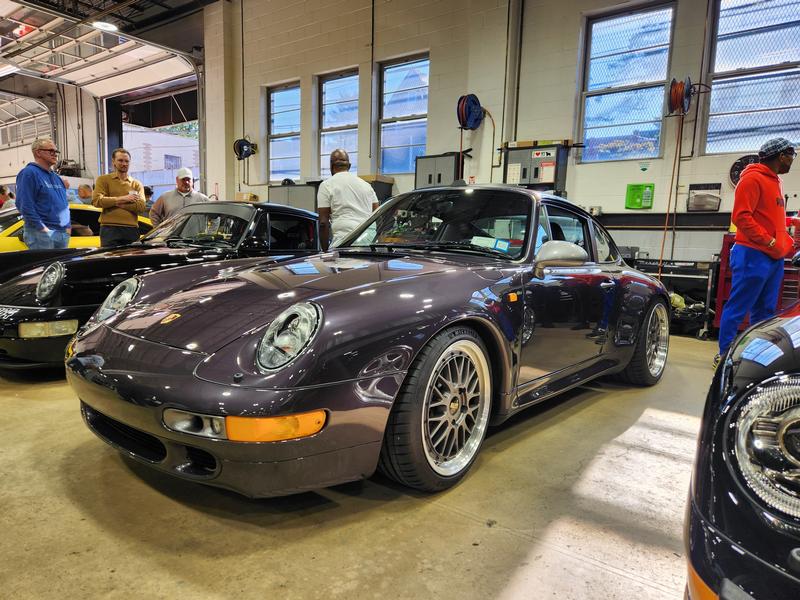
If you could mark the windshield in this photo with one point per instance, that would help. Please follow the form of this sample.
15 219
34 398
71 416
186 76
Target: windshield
471 219
200 228
8 218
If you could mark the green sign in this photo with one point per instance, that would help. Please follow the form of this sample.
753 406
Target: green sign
639 195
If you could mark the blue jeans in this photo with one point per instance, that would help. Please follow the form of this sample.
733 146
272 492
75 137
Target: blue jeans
755 284
36 239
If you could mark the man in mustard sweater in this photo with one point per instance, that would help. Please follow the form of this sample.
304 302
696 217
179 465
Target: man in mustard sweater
122 199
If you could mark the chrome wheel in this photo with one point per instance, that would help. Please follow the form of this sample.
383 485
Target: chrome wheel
657 343
455 414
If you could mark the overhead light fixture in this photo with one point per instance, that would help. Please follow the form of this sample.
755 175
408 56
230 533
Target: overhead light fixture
104 26
7 68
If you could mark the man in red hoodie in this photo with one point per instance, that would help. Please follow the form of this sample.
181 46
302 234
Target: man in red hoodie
759 213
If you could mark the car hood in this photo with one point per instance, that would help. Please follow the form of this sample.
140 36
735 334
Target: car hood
90 276
202 310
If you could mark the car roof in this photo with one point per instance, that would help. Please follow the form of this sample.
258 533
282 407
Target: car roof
547 197
268 206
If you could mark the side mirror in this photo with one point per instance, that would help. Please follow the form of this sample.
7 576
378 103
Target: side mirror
557 253
796 259
255 243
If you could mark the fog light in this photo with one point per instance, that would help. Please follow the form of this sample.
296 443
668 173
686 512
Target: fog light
43 329
194 424
274 429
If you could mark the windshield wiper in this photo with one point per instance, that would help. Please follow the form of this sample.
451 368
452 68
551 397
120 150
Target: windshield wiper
174 242
209 241
391 247
468 246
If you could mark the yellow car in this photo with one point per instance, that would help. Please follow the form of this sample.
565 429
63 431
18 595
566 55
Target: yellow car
85 228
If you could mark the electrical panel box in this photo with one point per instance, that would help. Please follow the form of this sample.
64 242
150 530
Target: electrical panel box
537 167
438 169
300 196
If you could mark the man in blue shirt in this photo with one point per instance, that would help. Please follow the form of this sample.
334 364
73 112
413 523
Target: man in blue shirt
42 200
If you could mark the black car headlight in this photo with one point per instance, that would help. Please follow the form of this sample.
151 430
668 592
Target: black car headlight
767 442
288 335
50 281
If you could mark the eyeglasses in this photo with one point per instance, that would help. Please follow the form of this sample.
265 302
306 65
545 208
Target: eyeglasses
790 152
50 150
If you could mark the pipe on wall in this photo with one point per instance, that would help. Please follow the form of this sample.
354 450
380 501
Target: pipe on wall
513 61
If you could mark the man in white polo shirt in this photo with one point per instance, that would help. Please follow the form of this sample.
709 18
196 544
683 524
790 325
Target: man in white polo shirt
344 200
172 201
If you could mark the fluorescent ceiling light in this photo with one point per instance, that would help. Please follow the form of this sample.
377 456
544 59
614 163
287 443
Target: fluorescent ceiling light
6 68
104 26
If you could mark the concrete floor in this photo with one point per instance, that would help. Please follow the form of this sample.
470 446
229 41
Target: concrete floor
580 498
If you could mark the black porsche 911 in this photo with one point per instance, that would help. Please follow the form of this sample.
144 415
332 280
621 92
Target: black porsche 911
43 301
742 528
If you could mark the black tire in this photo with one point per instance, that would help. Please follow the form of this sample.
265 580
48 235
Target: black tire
432 404
652 347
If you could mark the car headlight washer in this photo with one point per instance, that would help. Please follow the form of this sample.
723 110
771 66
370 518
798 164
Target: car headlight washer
50 281
288 335
767 442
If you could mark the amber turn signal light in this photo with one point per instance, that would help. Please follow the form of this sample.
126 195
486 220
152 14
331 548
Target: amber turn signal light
697 588
274 429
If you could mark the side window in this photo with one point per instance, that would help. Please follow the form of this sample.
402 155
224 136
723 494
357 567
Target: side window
87 218
569 227
606 250
291 233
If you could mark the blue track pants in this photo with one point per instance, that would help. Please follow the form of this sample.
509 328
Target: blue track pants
755 284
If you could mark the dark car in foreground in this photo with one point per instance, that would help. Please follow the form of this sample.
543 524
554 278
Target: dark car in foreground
448 310
742 527
43 301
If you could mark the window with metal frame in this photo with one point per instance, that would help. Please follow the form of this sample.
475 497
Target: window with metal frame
403 114
338 119
624 84
284 132
755 75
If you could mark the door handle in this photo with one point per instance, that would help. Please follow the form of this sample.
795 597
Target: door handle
607 285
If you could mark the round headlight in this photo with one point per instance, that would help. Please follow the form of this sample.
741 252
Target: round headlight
767 443
288 335
118 299
50 281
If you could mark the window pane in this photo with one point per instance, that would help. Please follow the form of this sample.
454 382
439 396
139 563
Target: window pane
622 142
284 110
281 168
618 108
400 160
330 141
406 76
746 132
629 68
340 89
755 33
747 111
285 99
404 133
631 32
288 147
287 233
406 103
285 122
339 114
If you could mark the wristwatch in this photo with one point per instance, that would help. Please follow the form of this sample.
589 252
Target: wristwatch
771 243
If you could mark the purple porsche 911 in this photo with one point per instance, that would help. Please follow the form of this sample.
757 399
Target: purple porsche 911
447 311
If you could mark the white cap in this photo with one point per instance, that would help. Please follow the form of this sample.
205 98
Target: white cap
184 172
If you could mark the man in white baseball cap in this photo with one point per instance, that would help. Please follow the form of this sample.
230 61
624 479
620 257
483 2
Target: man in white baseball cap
171 202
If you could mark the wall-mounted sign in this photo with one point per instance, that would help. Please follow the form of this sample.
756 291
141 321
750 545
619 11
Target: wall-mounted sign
639 195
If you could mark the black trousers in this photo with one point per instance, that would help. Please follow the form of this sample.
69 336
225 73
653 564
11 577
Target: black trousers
114 235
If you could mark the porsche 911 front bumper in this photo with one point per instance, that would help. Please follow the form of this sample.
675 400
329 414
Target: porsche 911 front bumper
123 399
